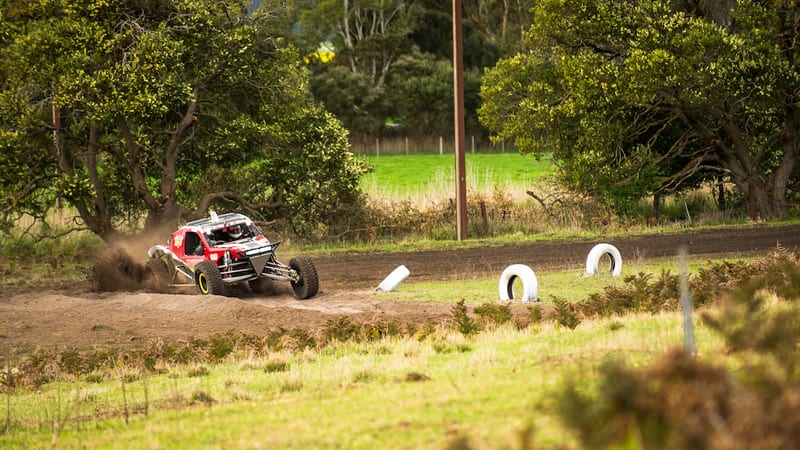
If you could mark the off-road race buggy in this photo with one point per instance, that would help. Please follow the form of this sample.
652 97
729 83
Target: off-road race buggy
220 250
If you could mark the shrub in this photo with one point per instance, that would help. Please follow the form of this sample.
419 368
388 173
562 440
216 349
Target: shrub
464 323
492 313
682 402
341 329
563 313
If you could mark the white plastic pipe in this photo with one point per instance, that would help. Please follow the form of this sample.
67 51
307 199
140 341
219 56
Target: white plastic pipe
394 279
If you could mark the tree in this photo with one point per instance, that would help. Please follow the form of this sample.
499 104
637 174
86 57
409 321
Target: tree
367 35
622 91
503 23
351 97
119 108
420 91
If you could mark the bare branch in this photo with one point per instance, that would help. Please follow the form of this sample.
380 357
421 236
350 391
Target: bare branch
234 197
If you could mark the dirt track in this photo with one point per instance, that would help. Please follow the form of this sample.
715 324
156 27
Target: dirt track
82 319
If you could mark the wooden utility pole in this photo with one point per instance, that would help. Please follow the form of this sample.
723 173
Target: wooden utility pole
460 135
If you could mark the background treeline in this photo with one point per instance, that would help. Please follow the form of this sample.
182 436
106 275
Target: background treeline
140 114
392 74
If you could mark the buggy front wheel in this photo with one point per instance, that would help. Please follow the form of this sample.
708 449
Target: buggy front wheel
208 279
307 283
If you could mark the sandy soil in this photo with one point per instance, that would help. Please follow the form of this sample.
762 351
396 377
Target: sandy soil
76 317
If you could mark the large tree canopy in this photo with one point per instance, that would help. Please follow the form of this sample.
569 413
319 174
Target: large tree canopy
638 96
157 109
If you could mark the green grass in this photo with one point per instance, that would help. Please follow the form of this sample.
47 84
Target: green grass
395 393
431 176
492 390
570 285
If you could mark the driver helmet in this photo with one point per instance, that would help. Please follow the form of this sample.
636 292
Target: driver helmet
236 231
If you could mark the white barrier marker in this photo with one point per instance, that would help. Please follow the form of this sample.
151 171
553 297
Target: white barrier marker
530 286
394 279
593 260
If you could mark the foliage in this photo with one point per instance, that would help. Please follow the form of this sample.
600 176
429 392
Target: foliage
761 329
776 273
564 313
367 35
493 314
341 329
650 96
420 91
124 109
393 62
464 324
670 405
415 80
433 34
641 292
683 402
346 330
350 97
536 314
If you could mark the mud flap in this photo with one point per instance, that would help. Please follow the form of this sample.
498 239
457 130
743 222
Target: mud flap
258 263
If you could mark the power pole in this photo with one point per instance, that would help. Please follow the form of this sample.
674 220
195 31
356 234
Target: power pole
460 134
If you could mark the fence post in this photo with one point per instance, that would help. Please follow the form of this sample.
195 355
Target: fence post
377 147
441 145
686 302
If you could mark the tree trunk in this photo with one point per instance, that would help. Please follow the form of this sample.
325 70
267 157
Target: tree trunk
761 201
656 206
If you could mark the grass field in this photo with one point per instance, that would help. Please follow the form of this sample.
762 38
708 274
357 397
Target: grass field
431 177
490 390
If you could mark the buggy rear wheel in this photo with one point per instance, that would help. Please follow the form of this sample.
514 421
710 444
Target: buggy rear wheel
308 283
156 275
208 279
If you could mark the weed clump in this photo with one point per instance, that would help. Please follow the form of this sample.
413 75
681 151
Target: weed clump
276 366
465 324
564 313
291 340
536 314
493 314
342 330
202 397
642 292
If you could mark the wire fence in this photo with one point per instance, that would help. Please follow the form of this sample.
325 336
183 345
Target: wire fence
398 145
